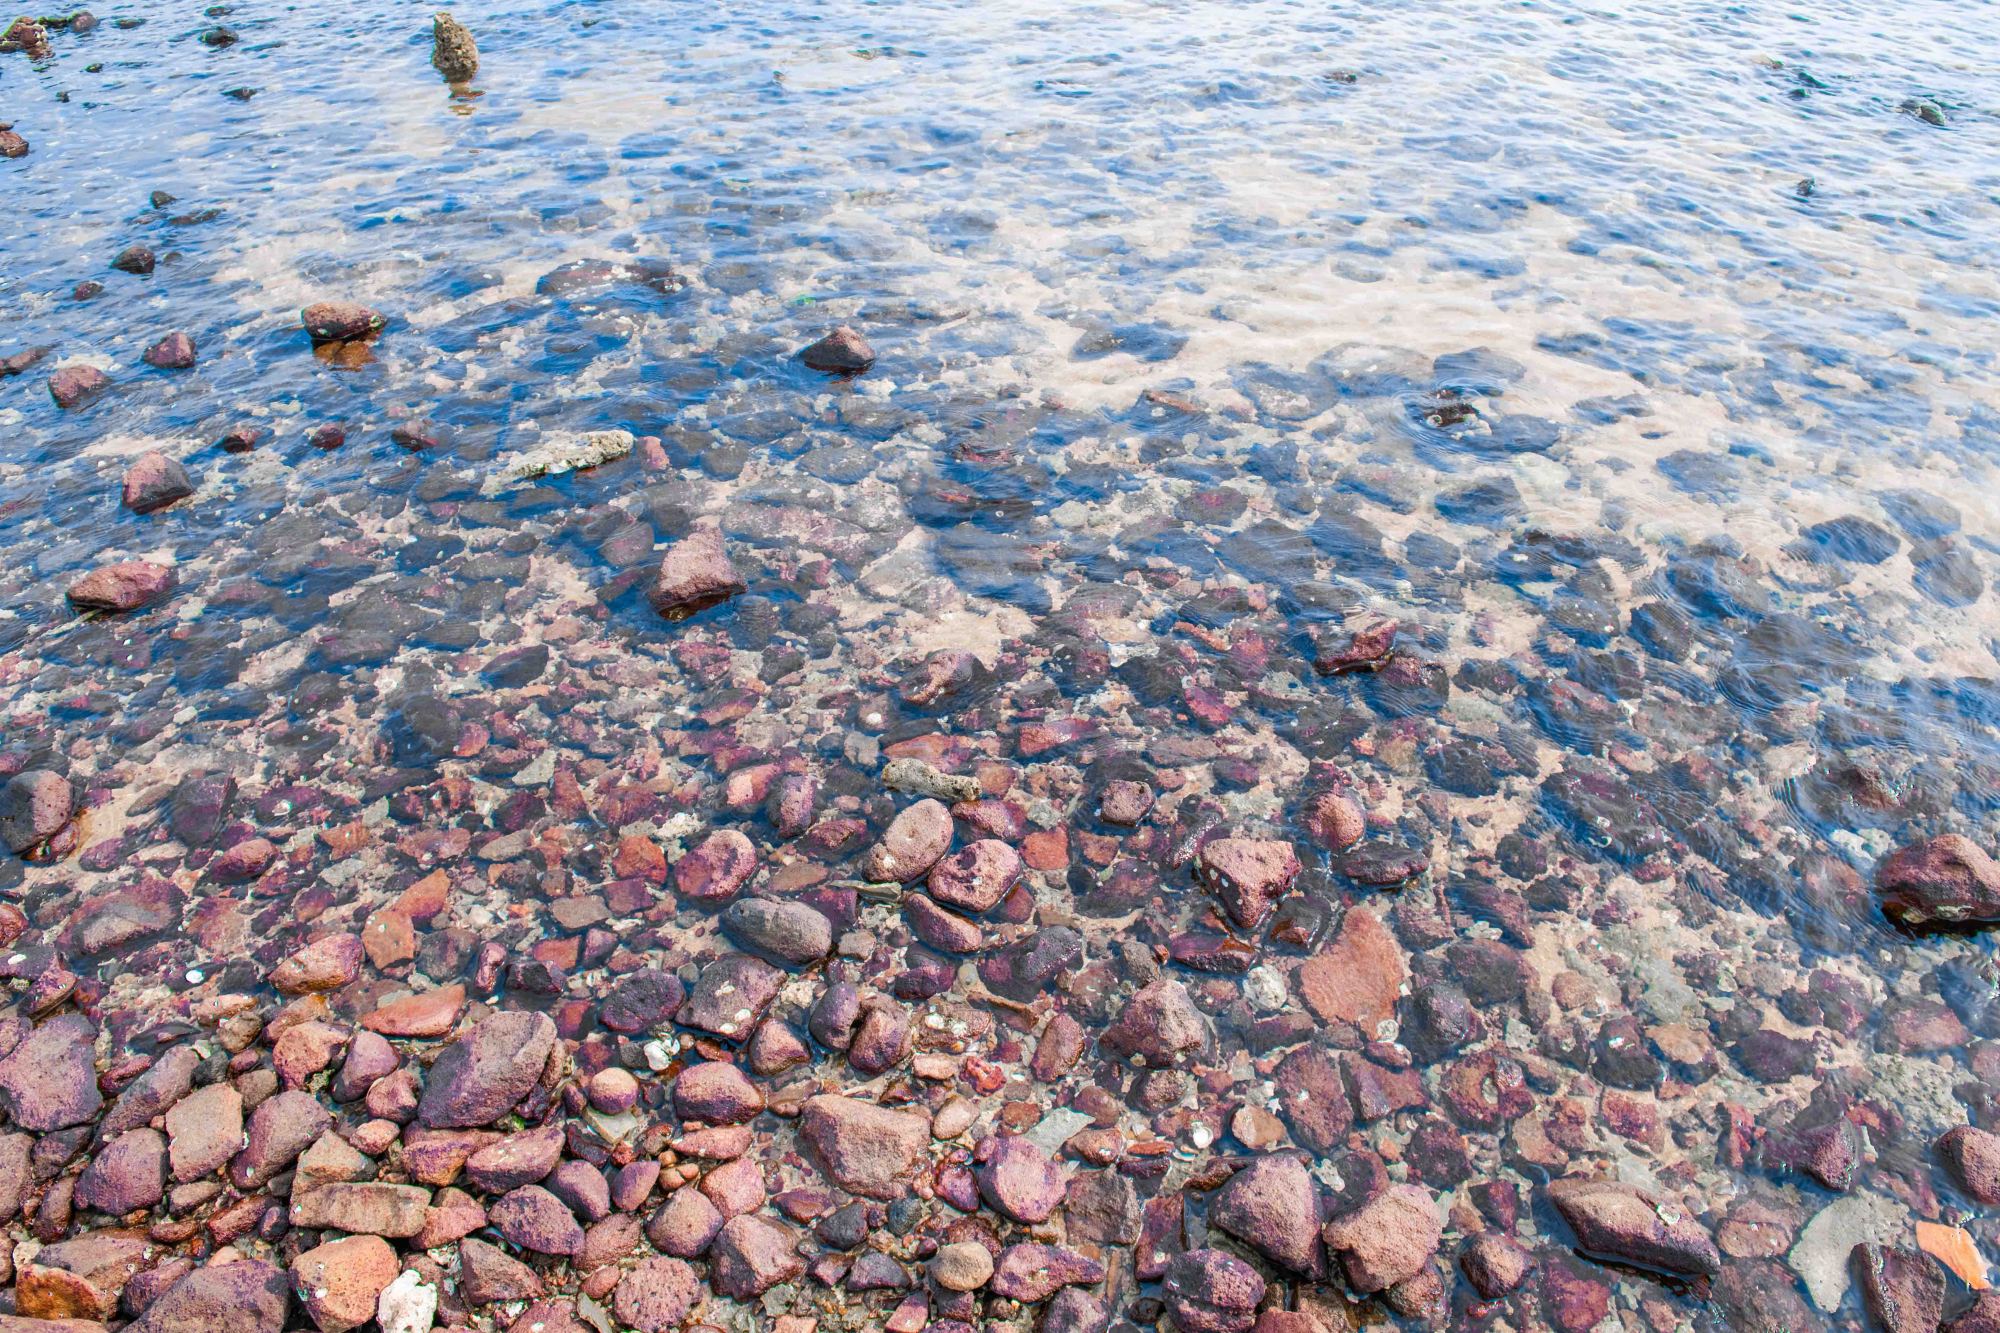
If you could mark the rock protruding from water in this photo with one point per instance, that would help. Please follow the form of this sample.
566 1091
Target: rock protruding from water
34 806
695 573
842 352
121 587
453 52
1939 883
341 321
155 481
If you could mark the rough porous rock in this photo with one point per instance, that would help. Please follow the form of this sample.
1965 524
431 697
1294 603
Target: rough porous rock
1273 1205
749 1256
1249 875
75 386
716 869
866 1149
534 1219
247 1296
35 805
1902 1290
656 1295
1210 1291
341 1282
1358 977
1388 1239
454 54
154 481
977 876
49 1081
327 964
174 352
485 1073
1019 1180
730 996
128 1172
1618 1221
1159 1024
964 1266
695 573
340 321
1944 881
1973 1156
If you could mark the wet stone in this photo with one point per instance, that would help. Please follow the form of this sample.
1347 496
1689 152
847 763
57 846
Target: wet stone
485 1073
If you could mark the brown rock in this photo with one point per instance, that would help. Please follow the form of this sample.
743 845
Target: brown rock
1622 1222
695 573
121 587
74 386
865 1149
173 352
915 841
485 1073
1902 1290
35 805
1358 977
1943 881
340 1282
340 321
367 1207
327 964
1387 1239
1249 875
841 352
749 1256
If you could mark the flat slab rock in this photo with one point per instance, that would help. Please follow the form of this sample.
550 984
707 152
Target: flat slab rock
1623 1222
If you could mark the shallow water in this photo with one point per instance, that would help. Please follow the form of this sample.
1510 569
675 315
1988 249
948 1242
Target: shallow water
1203 332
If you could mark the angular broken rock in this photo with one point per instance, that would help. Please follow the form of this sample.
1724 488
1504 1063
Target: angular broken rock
1210 1291
730 996
750 1255
340 321
1020 1181
248 1296
173 352
1159 1024
1273 1205
841 352
121 587
49 1081
485 1073
73 386
1902 1290
1941 882
694 574
977 876
340 1282
865 1149
1387 1239
1617 1221
1249 875
915 840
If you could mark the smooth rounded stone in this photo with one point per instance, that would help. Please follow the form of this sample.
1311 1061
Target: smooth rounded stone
749 1256
1019 1180
341 1282
488 1274
516 667
685 1224
1158 1025
125 586
713 872
1973 1157
1335 821
243 861
789 931
696 573
49 1081
204 1130
1902 1290
173 352
730 996
534 1219
716 1093
11 143
1944 881
1249 875
582 1188
656 1295
369 1057
137 260
454 54
129 1172
246 1296
1388 1239
35 805
841 352
865 1149
485 1073
1854 538
1622 1222
76 386
612 1091
963 1266
515 1160
1495 1264
882 1038
154 481
1273 1205
1210 1291
363 1207
340 321
325 965
941 930
915 841
977 876
642 1000
1031 1272
834 1015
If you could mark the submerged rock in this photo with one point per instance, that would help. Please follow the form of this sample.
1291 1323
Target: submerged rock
34 807
695 573
565 451
1622 1222
121 587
